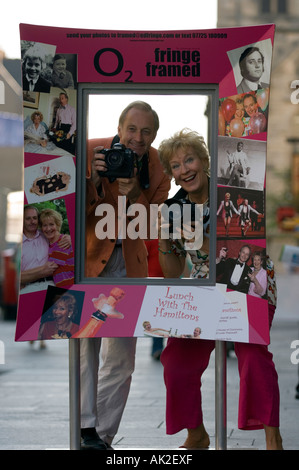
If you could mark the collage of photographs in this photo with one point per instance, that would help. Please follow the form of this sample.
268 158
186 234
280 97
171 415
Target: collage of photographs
241 260
87 308
50 125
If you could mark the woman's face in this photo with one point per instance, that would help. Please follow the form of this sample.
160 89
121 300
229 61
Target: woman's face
257 262
239 111
49 228
60 311
187 170
36 119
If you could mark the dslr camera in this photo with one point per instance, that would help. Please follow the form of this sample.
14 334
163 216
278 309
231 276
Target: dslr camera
120 161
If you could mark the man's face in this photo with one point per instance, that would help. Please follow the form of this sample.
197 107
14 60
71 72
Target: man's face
240 146
137 131
244 254
250 106
30 223
253 67
63 100
59 65
33 67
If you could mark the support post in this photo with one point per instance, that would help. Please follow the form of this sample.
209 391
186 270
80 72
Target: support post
220 396
74 393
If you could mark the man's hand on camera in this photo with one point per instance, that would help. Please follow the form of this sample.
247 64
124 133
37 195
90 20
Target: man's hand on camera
97 164
130 188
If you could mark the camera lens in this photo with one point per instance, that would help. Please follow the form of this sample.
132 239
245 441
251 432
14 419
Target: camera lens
114 160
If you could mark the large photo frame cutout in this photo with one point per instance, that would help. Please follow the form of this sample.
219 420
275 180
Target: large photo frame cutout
197 104
74 83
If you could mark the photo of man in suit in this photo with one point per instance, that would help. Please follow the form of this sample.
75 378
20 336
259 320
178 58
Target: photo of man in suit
251 65
234 271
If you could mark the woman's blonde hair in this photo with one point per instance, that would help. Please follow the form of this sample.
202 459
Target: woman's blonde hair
184 139
51 213
70 302
37 113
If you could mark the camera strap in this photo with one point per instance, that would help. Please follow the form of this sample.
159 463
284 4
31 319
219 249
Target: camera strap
144 173
115 140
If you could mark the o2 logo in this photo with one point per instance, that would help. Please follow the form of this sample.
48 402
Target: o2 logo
113 56
295 354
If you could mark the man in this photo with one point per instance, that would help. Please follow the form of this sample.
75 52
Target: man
33 64
234 272
102 409
251 106
66 122
238 165
253 110
251 64
36 270
245 212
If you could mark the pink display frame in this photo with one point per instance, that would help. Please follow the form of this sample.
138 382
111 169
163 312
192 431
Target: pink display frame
197 57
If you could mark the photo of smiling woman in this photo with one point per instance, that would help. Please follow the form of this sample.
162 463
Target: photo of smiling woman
60 319
51 222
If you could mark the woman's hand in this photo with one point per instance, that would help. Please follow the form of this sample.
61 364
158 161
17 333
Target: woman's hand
163 231
65 242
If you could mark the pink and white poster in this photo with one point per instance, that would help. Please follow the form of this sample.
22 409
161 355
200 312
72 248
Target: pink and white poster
76 84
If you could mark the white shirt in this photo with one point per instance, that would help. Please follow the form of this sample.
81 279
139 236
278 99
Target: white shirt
34 251
236 275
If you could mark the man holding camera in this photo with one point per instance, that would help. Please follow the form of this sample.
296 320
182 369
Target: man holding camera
104 395
234 271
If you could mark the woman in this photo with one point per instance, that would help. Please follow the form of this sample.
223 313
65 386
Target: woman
258 276
185 157
36 132
61 322
227 206
51 222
